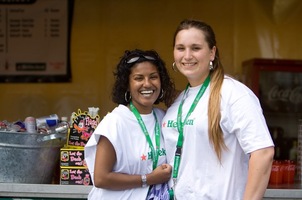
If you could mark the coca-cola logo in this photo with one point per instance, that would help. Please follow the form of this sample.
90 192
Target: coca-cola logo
289 167
277 168
292 95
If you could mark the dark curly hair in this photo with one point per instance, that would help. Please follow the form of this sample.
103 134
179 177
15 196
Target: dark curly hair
123 70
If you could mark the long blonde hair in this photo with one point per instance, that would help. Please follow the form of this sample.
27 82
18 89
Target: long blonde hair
217 76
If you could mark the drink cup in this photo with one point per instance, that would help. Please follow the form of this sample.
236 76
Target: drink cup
47 120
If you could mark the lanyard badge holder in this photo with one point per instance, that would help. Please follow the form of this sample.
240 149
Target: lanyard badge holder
180 127
175 171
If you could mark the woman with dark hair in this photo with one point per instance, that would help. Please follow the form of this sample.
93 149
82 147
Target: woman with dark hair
126 156
215 133
120 92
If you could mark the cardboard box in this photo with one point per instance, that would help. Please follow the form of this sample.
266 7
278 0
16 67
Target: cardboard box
74 176
73 168
72 157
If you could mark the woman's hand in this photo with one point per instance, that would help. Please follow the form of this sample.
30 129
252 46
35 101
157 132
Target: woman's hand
159 175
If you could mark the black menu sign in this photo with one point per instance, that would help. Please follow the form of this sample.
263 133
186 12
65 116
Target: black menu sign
34 40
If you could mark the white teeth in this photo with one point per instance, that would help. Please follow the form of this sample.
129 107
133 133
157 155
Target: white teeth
147 92
189 64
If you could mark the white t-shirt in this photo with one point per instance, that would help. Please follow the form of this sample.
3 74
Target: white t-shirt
201 176
131 148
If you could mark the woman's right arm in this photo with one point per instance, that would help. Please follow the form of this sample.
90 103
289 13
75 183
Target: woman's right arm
104 177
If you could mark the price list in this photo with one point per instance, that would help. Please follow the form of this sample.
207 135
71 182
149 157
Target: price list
34 37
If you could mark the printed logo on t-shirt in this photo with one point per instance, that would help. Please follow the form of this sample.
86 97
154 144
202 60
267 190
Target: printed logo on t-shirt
143 157
173 123
161 152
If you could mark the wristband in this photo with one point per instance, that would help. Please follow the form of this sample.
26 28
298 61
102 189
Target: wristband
144 180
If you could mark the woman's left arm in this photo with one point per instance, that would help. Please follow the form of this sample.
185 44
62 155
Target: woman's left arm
260 165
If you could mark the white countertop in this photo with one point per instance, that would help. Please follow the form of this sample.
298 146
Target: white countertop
44 190
278 192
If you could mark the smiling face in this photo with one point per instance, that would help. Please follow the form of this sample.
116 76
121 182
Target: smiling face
192 55
144 86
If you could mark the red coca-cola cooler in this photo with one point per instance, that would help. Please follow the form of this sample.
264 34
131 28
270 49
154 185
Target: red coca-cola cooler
278 85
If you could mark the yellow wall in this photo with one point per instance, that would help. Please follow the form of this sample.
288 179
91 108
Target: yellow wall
102 30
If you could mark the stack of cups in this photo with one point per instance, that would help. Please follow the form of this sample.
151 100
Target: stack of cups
299 151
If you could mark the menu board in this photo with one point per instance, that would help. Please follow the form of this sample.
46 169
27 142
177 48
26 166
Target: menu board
34 40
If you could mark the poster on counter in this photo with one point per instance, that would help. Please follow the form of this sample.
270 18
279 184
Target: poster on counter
35 40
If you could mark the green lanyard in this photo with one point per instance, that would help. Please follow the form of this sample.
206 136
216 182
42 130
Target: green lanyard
154 153
180 125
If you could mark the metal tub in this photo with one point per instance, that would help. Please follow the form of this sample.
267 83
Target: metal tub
29 157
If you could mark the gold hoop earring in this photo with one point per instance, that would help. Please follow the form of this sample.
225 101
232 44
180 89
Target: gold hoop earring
174 67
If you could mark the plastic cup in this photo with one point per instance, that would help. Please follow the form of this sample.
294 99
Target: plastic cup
51 122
